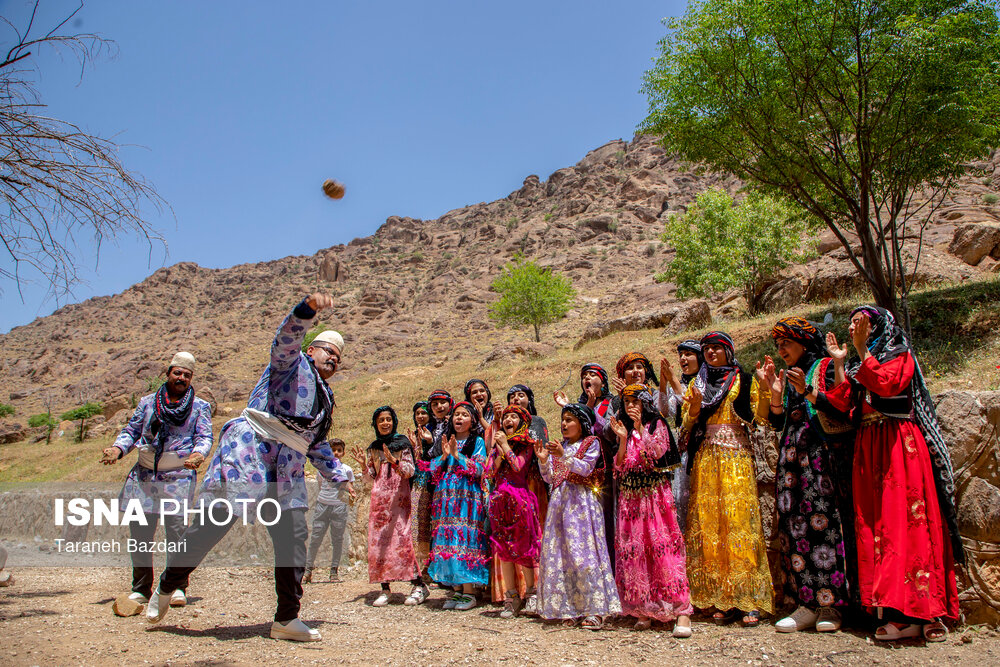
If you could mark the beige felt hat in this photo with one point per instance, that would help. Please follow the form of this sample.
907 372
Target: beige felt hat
332 337
183 360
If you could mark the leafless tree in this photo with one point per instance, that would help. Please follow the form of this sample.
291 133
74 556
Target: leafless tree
59 183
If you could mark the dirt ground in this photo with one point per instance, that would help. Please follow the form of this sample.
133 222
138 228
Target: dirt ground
63 616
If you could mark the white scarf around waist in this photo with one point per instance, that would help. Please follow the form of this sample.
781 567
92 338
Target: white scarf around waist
269 427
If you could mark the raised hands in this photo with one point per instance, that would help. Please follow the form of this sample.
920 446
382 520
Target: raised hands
555 448
860 329
838 352
497 409
359 455
319 300
693 399
500 440
540 451
774 381
634 410
618 427
560 398
618 384
388 455
797 378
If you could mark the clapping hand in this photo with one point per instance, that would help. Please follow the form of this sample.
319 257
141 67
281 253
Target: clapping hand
359 455
859 334
555 448
388 456
618 427
797 378
634 411
541 452
666 371
560 398
693 399
618 384
838 352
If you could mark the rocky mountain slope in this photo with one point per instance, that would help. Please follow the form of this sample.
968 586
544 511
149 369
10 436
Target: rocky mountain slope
419 289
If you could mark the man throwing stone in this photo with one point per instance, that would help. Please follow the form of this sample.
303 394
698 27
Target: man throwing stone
261 455
172 431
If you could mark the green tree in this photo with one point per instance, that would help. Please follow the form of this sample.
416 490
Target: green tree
861 112
6 409
530 295
82 413
44 419
720 245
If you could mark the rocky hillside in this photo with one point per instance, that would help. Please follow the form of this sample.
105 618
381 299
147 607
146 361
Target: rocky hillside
418 289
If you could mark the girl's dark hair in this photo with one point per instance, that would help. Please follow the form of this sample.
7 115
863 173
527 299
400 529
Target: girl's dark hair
475 431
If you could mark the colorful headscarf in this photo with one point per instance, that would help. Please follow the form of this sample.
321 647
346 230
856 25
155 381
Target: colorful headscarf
651 379
521 433
605 389
805 334
488 408
527 391
441 393
650 413
887 341
584 414
475 431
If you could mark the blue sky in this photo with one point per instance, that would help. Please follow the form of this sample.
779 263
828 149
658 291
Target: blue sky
237 112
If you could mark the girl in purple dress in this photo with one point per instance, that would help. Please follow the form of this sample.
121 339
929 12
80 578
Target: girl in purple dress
575 578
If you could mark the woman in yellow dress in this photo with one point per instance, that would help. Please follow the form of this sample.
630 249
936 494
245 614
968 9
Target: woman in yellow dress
726 556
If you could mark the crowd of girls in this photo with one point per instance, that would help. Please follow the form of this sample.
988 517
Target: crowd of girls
647 506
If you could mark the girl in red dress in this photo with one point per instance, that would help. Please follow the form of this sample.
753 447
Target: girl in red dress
904 487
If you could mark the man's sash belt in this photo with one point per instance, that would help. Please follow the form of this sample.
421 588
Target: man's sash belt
269 427
168 460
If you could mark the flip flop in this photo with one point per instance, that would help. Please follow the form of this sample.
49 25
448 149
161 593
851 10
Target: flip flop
725 618
751 619
592 623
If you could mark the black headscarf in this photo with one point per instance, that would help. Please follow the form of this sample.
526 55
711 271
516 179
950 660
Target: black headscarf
393 440
887 341
692 346
527 390
488 408
605 390
438 428
715 381
584 414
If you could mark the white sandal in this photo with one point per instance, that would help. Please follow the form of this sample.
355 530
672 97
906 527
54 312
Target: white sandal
592 623
891 632
935 626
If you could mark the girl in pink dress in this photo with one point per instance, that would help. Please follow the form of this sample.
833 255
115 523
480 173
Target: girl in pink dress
516 529
649 546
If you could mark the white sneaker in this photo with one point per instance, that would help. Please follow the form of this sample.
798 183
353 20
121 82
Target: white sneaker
381 601
158 606
451 601
294 630
828 620
464 602
800 619
138 597
530 604
178 599
417 596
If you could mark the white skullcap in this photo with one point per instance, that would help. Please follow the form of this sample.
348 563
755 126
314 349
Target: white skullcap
183 360
332 337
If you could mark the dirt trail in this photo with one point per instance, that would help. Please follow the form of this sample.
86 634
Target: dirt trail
63 616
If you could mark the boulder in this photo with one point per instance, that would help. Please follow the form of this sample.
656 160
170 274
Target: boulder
13 432
833 279
692 314
783 295
331 270
974 241
114 405
513 351
206 394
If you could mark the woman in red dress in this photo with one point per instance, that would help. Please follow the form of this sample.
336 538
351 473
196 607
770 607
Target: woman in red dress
904 487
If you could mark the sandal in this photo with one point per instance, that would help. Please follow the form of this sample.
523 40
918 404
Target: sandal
935 631
891 632
642 624
751 619
592 623
725 618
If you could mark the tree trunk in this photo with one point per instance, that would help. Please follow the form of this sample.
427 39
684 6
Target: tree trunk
538 338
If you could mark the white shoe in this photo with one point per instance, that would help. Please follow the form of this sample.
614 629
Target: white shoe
294 630
800 619
381 601
464 602
138 597
530 605
417 596
828 620
682 631
158 606
178 599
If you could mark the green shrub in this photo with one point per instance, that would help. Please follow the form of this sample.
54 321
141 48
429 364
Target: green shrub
6 409
991 198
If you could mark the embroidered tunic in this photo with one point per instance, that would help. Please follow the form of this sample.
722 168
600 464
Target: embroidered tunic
727 563
575 577
460 551
249 466
193 436
651 569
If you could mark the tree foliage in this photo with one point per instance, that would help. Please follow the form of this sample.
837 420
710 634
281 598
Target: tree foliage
530 295
861 112
58 183
82 413
44 419
720 245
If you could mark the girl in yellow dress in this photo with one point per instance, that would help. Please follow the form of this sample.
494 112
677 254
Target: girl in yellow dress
726 556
